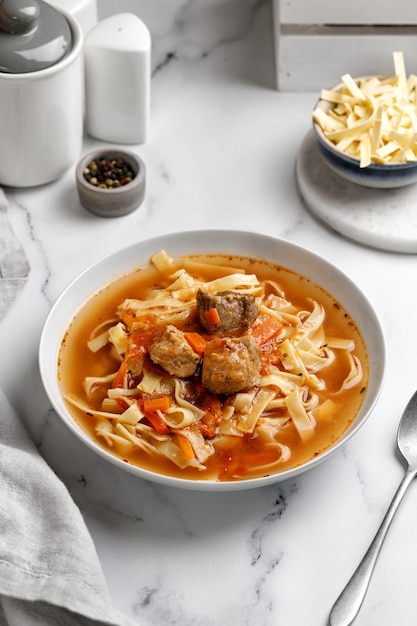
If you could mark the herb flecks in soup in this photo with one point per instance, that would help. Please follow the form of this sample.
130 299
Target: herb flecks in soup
213 368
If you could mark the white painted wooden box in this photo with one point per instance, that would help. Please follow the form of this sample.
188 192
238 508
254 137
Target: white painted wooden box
317 41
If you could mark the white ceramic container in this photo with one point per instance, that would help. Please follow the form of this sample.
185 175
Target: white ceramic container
118 73
41 121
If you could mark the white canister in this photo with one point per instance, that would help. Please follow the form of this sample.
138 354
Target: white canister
41 120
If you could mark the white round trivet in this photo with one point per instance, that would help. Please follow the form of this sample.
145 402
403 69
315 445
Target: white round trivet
385 218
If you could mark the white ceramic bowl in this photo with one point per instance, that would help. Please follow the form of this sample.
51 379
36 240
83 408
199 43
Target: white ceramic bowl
253 245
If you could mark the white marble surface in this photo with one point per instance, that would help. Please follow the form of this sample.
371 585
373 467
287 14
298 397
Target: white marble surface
222 152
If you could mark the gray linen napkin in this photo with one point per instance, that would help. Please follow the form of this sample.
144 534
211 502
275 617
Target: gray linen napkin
49 570
50 574
14 266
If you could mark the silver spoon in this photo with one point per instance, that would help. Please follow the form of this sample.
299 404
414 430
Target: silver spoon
350 600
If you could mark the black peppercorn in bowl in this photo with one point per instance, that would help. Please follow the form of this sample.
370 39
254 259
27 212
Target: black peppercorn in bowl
111 182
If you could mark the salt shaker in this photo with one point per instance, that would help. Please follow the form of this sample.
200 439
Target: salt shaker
117 70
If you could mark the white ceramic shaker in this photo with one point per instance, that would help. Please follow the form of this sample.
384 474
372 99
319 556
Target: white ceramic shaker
117 69
41 92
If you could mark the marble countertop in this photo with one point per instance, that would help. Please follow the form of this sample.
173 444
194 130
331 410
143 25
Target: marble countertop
222 153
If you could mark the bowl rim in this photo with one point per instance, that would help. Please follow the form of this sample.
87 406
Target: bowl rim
321 136
194 241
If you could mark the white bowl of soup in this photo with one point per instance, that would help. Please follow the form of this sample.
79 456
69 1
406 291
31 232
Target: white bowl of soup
213 360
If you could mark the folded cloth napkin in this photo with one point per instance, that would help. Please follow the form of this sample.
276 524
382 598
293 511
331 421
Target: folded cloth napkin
14 266
50 574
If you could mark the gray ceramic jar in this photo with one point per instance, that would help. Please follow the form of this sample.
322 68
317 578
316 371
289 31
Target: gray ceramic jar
41 92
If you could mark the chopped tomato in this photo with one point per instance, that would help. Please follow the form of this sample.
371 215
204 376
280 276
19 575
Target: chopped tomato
207 425
141 340
267 329
212 416
212 404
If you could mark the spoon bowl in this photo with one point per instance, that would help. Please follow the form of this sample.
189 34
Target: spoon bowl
407 433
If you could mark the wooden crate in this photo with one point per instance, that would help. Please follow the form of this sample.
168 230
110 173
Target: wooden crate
316 41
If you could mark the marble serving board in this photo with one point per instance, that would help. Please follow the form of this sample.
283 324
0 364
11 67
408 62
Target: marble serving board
385 219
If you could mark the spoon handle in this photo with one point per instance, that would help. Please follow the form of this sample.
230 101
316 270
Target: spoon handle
350 600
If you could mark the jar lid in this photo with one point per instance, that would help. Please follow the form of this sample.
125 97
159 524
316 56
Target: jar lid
33 36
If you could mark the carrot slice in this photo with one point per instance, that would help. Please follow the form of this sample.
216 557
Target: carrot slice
156 403
157 423
266 330
212 316
185 445
120 377
196 341
260 458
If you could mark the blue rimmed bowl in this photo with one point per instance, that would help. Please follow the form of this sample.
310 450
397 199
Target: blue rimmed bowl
375 175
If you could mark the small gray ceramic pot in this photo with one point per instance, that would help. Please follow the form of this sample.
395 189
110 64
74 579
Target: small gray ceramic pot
111 201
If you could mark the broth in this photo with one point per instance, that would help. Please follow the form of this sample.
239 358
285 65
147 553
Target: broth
232 458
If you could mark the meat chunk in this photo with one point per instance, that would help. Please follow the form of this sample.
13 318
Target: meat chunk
237 312
173 353
231 364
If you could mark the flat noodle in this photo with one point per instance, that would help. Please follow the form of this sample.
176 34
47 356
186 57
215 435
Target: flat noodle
249 421
119 338
100 336
162 261
195 267
131 416
92 383
303 422
88 410
197 413
355 375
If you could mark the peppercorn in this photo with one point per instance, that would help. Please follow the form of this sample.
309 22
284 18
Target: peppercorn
108 173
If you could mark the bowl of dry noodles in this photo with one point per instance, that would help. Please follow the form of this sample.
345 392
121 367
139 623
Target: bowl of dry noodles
213 360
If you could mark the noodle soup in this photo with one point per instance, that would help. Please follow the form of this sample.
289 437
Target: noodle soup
213 367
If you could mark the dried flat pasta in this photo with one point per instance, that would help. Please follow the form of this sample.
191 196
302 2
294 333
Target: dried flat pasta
373 119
